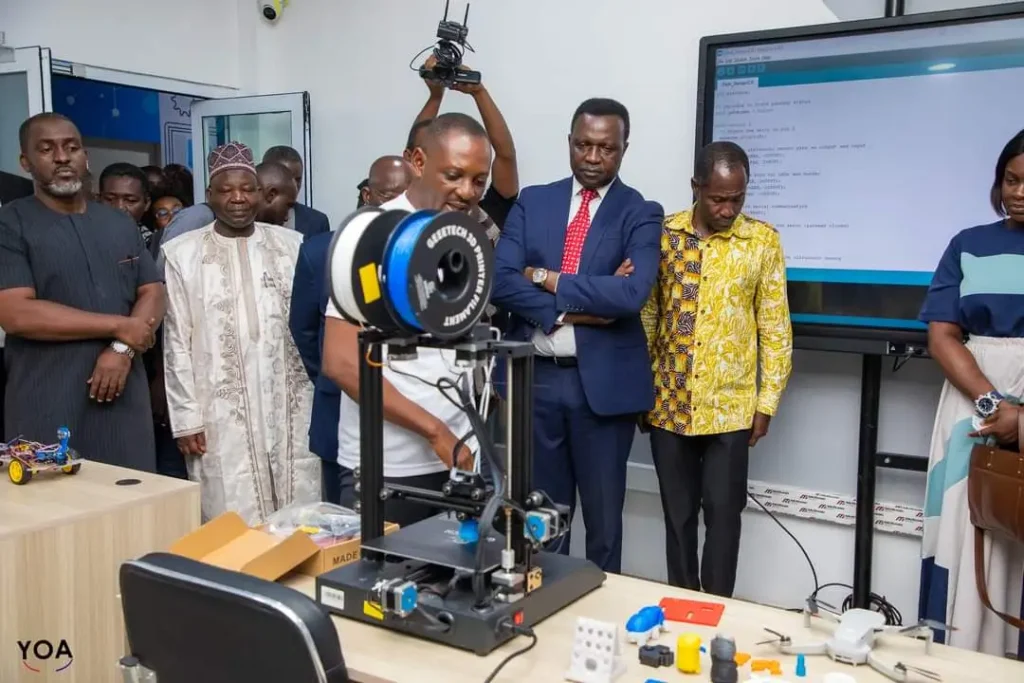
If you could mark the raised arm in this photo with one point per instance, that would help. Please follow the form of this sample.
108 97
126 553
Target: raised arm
774 329
433 104
304 314
512 291
504 168
609 296
341 366
183 409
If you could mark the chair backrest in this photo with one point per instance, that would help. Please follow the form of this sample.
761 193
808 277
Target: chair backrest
191 622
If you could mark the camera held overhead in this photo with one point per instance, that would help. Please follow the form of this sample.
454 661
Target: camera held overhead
451 45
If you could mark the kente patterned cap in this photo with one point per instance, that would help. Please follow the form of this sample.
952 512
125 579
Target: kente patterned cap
231 156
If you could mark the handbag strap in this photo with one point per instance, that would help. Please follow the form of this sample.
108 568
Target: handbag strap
979 579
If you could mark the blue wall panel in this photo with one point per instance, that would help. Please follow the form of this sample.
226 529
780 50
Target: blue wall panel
102 110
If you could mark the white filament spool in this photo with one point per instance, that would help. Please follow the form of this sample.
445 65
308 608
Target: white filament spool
341 260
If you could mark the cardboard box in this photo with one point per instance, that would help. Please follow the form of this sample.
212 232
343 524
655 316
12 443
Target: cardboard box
337 555
227 542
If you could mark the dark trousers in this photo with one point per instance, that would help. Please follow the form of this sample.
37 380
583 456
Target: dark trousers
706 473
330 478
169 460
401 512
576 449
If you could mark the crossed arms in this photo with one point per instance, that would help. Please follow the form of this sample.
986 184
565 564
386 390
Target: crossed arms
598 297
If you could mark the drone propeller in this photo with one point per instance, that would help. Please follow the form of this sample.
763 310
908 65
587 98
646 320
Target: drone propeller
816 605
905 669
779 638
937 625
924 623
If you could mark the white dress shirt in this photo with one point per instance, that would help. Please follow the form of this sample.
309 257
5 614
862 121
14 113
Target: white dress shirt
562 342
406 454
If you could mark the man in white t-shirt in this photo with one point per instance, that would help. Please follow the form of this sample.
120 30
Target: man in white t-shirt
421 427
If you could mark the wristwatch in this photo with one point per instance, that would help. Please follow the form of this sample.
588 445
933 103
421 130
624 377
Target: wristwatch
540 276
123 349
986 404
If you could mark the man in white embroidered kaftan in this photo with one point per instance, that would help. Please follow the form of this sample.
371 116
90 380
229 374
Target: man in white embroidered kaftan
239 399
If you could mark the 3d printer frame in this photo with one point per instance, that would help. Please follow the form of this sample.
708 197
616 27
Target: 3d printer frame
516 591
518 447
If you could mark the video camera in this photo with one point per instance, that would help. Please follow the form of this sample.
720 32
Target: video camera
451 43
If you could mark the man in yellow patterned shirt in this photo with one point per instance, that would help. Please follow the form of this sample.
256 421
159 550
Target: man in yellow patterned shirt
720 299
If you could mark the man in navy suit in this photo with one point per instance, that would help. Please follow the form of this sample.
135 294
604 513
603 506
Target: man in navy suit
306 220
389 176
306 321
576 261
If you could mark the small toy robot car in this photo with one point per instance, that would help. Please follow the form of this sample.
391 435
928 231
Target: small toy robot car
26 458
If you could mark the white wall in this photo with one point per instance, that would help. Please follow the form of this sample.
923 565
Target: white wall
850 10
189 40
539 59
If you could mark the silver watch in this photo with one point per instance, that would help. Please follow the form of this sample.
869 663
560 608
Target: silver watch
987 404
540 276
123 349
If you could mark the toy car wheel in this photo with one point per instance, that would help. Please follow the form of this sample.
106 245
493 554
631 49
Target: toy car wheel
18 473
71 469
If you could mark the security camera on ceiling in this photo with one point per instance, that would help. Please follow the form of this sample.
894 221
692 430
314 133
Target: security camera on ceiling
271 10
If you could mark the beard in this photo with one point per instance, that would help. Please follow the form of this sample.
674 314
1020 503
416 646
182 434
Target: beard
63 188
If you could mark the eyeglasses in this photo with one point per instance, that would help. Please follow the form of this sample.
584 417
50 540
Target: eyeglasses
166 213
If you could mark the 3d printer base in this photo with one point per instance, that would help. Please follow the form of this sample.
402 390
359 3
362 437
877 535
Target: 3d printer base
346 590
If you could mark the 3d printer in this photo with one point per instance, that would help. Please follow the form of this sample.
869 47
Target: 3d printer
477 573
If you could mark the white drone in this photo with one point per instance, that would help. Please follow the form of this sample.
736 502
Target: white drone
853 640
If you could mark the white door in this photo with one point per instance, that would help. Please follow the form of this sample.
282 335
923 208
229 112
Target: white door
24 92
261 122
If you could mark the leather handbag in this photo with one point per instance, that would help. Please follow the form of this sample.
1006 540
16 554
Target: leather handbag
995 495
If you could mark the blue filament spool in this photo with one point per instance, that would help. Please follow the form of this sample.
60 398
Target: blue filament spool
397 262
437 271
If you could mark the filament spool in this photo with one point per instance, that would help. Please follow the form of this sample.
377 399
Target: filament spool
411 273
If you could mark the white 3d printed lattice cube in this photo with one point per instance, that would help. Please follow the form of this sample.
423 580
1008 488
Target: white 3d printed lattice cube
596 653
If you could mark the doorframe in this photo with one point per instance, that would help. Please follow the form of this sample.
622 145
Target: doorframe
38 89
33 62
171 86
296 102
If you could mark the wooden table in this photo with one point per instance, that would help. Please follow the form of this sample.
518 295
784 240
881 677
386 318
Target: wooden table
62 540
377 655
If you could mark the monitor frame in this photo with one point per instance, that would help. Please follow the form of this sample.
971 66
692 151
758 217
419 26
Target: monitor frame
704 114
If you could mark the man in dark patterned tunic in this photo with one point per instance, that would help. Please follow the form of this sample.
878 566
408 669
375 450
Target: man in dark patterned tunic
80 298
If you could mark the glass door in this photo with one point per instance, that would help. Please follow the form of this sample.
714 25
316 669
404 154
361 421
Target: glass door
24 92
261 122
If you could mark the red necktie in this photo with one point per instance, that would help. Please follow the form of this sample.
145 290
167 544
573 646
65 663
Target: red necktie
576 233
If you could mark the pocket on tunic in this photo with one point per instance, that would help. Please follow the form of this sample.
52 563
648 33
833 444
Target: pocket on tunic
128 272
